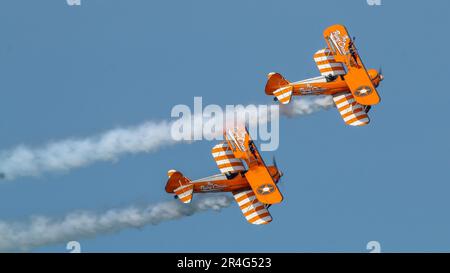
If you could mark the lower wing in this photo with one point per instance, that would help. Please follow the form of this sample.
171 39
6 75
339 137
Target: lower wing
352 113
254 211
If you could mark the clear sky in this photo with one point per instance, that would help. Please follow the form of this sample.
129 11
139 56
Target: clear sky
77 71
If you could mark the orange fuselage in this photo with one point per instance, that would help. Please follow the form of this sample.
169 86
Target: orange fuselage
329 88
220 183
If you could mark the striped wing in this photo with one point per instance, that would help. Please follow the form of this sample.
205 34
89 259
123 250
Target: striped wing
225 159
352 112
254 211
327 64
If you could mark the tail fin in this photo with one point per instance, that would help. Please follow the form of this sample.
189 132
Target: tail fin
180 185
279 87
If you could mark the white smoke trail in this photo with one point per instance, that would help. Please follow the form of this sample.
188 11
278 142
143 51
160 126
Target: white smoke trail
300 107
42 231
73 153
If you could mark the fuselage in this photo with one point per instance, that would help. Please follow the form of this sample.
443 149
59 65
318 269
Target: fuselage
222 183
320 85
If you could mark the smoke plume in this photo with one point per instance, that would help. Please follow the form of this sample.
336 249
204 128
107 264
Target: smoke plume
74 153
301 107
42 231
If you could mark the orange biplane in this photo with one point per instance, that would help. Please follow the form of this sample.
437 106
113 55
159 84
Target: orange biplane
254 187
344 77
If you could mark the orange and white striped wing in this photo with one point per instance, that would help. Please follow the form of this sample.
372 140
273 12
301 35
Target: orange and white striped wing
225 159
326 63
254 211
352 112
185 192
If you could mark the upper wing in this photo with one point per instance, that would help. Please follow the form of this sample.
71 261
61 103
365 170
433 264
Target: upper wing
351 111
254 211
357 78
238 139
327 64
257 175
263 185
338 41
225 159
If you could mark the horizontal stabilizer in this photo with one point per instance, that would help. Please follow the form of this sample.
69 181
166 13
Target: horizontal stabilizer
279 87
180 185
184 193
284 94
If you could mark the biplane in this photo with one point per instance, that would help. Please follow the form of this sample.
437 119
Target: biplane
242 172
343 76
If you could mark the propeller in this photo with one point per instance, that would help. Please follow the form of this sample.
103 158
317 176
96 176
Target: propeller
380 73
280 173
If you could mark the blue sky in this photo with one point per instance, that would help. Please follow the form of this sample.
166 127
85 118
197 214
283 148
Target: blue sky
78 71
